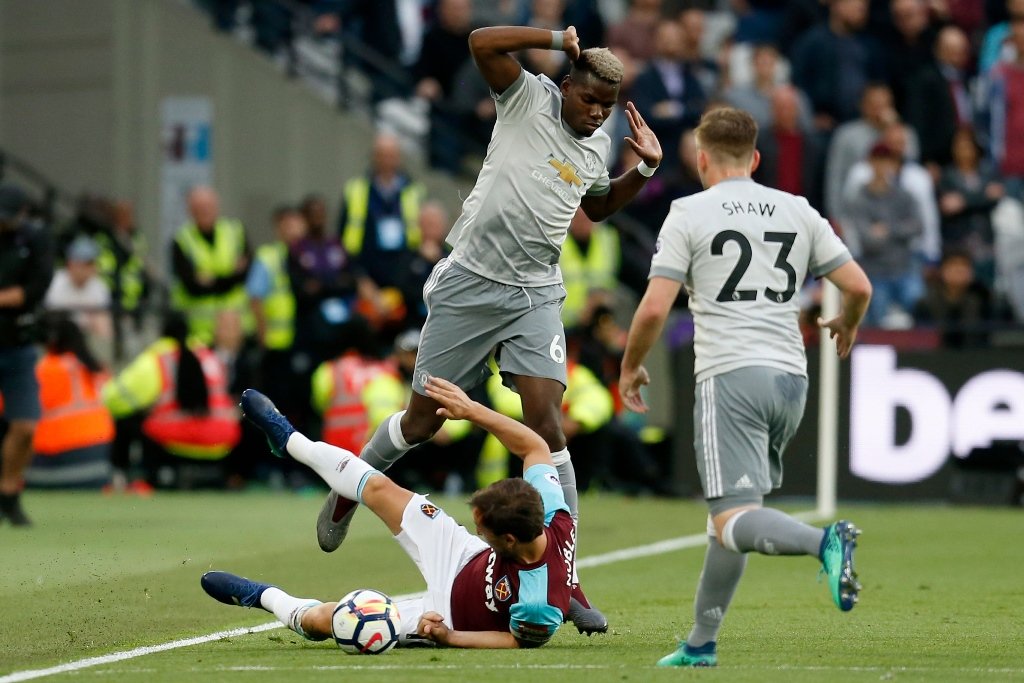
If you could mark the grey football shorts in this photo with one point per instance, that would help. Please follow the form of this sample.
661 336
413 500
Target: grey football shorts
742 421
469 318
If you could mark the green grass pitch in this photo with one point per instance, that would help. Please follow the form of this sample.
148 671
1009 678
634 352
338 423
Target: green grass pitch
943 596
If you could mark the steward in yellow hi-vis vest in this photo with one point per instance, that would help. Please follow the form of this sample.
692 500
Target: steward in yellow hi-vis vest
589 261
278 306
210 260
379 219
269 285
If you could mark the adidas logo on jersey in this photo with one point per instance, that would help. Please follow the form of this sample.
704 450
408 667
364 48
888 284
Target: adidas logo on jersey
743 483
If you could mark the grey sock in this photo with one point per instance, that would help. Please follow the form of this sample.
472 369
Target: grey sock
771 532
718 580
382 451
567 478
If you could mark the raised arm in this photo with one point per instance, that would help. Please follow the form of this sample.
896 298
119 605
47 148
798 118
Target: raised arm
491 48
516 437
645 143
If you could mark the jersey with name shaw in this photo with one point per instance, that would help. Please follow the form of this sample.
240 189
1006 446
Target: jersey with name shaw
492 593
534 176
743 251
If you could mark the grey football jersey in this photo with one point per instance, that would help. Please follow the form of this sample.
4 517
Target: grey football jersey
536 172
743 251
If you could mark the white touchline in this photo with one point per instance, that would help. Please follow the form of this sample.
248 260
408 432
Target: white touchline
659 548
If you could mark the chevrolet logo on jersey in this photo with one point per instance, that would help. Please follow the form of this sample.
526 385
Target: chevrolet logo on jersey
566 171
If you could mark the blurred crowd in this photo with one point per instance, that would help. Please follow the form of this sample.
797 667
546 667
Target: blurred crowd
894 118
325 318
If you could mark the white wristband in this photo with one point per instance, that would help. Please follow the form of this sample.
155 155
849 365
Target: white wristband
645 170
557 40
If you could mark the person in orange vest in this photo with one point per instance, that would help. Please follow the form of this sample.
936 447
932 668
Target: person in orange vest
181 387
73 437
338 384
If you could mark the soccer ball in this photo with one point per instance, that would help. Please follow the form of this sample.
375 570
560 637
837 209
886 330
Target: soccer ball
366 622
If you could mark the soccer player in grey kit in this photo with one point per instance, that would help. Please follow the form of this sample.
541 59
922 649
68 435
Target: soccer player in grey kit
501 289
743 250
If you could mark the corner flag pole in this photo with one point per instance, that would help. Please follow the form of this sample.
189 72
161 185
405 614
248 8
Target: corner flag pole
828 407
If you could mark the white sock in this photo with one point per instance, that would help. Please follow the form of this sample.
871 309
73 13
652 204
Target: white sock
287 609
340 469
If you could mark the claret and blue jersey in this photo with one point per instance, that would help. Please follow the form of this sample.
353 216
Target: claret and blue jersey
492 593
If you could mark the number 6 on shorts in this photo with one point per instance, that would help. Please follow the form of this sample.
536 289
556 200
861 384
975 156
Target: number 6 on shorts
556 352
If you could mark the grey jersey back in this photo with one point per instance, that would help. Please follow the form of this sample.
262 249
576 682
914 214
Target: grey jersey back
536 172
743 251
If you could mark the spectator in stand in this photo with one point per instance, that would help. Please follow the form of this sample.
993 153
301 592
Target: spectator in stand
790 155
499 12
969 190
445 49
180 390
73 437
957 304
703 69
434 226
756 97
917 182
26 266
474 106
908 46
1006 113
939 99
122 266
270 289
379 217
997 46
834 61
386 27
324 282
853 139
241 358
634 35
77 289
547 14
210 258
590 262
885 220
667 91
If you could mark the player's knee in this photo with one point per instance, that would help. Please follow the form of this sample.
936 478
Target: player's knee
417 428
375 488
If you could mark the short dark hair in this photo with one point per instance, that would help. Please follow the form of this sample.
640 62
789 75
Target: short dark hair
510 506
727 134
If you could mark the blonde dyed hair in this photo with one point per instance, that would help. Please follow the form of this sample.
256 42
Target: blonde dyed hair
729 135
601 63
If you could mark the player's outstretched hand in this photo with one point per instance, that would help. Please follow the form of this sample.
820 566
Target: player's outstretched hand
571 44
644 142
432 627
630 382
455 405
841 332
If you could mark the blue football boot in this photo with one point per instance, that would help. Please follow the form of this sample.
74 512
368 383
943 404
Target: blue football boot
262 412
233 590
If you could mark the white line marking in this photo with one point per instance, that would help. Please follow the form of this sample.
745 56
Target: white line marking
659 548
